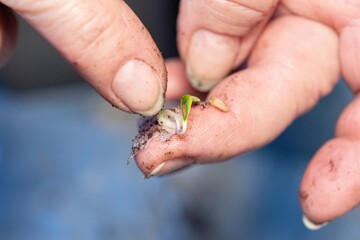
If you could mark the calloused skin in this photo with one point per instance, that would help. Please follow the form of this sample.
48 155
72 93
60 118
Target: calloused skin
294 59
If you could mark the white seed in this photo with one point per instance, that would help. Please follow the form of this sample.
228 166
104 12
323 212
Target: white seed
169 121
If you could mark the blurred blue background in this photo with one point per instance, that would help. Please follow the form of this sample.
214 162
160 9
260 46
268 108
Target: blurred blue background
63 172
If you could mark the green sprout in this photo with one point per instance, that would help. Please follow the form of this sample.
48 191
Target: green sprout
188 100
173 122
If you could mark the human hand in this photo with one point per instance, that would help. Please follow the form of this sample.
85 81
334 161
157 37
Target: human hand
294 60
104 41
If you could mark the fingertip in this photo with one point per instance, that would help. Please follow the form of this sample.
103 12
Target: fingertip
210 57
214 37
139 88
330 186
206 140
178 83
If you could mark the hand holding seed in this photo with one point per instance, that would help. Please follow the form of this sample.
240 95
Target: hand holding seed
293 61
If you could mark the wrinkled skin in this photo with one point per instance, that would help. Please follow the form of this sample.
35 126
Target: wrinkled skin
294 59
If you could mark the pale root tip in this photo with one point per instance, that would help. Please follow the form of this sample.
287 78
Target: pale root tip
311 225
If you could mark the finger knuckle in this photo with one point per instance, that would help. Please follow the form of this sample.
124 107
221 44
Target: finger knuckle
238 16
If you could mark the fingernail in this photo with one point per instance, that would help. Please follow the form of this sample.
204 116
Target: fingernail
210 58
170 166
311 225
137 85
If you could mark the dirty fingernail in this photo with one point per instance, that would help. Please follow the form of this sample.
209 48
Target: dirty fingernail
311 225
137 85
210 58
170 166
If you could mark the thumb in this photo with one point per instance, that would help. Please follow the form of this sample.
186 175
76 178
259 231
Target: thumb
107 44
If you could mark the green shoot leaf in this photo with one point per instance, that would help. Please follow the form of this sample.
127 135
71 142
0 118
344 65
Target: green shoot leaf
188 100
